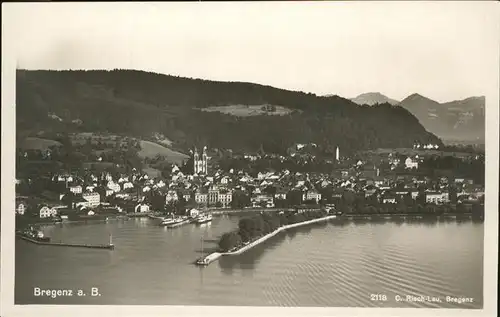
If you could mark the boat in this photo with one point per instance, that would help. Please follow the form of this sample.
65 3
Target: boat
179 222
204 219
33 234
169 221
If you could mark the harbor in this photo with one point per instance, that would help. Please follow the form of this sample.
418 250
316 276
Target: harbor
274 265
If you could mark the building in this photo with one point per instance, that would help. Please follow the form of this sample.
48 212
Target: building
93 198
76 189
171 196
280 194
411 163
186 196
370 190
213 196
82 203
311 195
123 195
225 180
200 163
46 212
414 194
194 213
127 185
160 184
437 197
389 199
115 187
141 208
260 200
201 197
21 208
225 197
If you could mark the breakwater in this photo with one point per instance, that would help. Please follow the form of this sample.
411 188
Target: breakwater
216 255
61 244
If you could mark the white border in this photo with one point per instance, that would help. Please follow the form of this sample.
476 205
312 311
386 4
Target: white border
7 232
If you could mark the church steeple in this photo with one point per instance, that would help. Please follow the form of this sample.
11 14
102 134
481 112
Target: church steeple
200 162
204 160
196 158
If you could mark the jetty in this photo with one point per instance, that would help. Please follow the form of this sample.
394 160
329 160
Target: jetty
109 246
216 255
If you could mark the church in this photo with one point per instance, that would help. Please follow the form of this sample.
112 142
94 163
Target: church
200 163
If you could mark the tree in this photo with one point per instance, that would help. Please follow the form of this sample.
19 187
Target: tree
310 202
180 206
68 199
283 220
294 198
246 229
229 240
240 200
157 202
258 226
280 203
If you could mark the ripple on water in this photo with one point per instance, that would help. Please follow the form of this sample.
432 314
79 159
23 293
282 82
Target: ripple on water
330 264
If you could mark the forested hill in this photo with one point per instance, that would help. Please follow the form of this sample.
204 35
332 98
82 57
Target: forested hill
141 103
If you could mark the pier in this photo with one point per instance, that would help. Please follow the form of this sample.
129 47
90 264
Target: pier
216 255
109 246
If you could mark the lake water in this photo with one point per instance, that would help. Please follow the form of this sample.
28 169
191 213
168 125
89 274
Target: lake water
334 264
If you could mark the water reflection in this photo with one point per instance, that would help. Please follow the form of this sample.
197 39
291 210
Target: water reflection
334 263
248 260
299 230
340 222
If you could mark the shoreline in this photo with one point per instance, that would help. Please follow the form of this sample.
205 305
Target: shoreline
216 255
82 220
240 211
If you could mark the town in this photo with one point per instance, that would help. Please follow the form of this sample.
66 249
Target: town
372 182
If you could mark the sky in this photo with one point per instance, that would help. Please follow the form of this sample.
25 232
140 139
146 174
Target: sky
442 50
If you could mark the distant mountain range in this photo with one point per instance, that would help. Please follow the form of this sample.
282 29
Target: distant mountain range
236 115
459 120
373 98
